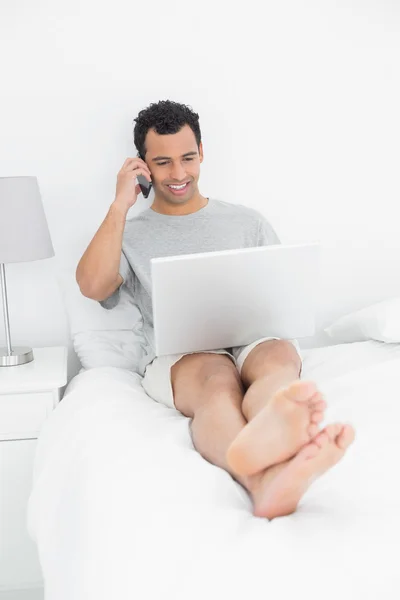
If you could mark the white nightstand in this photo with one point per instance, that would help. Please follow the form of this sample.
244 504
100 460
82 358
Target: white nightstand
28 393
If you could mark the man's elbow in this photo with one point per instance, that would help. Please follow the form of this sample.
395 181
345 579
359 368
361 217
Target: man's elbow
93 295
88 290
95 291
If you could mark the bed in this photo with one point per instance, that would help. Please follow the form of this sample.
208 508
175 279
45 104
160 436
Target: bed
122 505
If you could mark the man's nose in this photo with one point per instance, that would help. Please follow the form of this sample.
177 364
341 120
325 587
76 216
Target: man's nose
178 172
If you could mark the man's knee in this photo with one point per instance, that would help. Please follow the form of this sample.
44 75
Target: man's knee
267 356
201 378
279 351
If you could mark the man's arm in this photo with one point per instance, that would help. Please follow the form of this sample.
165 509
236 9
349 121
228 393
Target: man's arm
103 267
98 272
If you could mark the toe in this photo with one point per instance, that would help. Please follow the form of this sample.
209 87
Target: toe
333 430
322 439
313 430
317 417
316 399
319 405
345 437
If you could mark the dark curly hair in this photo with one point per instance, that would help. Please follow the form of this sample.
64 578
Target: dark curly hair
165 117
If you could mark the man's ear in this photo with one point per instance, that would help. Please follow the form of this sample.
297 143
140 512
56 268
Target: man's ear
201 151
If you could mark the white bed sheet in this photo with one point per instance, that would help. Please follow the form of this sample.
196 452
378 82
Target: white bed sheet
123 507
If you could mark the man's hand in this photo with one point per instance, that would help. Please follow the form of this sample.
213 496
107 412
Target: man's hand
127 190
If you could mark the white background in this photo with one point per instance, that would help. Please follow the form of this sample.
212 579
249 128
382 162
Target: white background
299 112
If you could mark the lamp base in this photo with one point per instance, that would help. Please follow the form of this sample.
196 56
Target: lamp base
20 355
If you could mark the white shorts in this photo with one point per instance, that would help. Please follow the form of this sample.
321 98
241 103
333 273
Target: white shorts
157 376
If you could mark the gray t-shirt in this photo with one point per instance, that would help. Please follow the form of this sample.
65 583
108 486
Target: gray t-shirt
217 226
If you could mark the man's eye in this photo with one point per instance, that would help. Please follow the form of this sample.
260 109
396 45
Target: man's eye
164 163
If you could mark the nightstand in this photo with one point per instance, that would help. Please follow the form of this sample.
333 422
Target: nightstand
28 394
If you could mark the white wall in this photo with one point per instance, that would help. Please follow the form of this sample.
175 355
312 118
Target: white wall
299 111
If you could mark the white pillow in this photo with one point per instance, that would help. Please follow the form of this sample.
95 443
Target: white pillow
379 322
102 337
118 348
86 314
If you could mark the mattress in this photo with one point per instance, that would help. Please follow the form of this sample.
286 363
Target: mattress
123 506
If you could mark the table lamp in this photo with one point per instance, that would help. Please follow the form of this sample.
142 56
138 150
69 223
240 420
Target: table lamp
24 237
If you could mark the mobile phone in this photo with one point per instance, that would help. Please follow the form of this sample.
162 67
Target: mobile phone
145 185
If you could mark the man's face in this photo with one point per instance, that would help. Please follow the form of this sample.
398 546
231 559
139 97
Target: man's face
174 159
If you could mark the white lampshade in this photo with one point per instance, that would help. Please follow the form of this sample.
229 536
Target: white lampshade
24 234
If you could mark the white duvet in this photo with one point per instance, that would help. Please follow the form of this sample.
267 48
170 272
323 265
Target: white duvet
123 507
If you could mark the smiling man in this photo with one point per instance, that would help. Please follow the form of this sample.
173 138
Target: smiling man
176 192
174 196
251 414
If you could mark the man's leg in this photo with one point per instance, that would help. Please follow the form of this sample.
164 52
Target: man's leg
283 412
208 388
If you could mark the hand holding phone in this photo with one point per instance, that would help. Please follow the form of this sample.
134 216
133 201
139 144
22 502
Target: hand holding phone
127 190
145 185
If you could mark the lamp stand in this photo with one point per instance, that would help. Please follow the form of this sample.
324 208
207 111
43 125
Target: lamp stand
20 355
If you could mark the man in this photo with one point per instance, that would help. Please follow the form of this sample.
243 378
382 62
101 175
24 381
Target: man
251 414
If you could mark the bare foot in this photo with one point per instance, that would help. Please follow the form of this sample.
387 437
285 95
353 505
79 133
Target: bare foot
279 490
288 422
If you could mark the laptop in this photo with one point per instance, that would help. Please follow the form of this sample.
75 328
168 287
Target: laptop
212 300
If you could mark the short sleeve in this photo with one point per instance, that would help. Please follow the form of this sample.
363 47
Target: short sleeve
267 235
126 273
124 267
